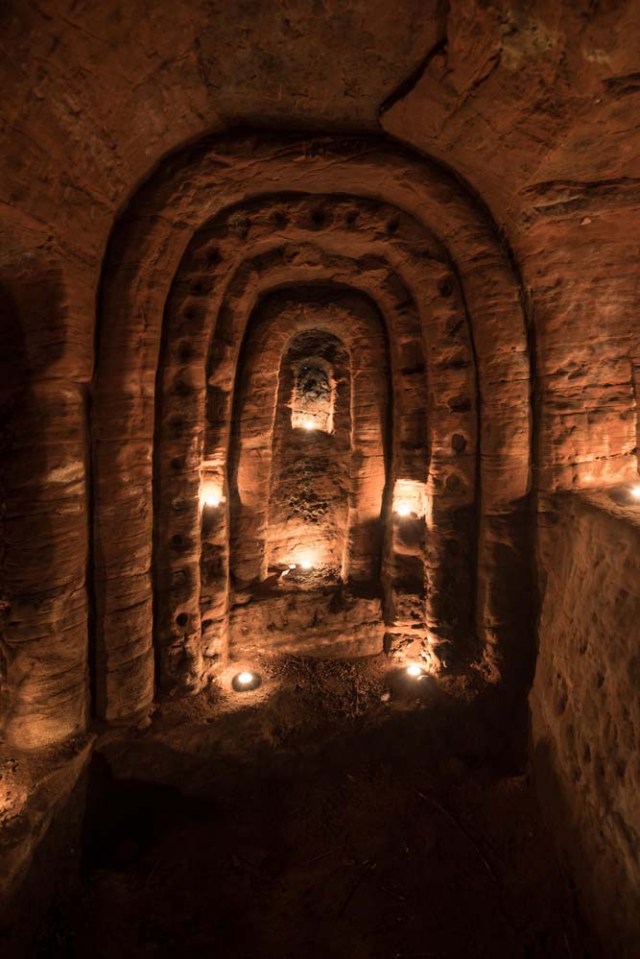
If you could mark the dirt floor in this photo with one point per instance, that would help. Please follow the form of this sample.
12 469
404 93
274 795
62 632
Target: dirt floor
339 811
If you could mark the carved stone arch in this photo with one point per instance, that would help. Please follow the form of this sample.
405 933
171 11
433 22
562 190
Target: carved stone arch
188 316
144 255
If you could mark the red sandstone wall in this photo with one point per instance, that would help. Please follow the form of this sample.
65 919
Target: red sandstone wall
537 108
586 708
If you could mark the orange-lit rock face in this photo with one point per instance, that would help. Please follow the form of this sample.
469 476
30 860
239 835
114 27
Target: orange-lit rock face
309 498
258 352
311 468
313 394
223 266
308 267
535 108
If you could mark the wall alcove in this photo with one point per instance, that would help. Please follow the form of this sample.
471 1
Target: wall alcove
226 255
306 503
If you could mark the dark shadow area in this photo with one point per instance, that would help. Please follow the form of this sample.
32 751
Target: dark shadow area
388 830
31 307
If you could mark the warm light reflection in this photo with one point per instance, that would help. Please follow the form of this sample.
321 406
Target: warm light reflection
415 671
409 498
306 559
309 425
246 681
635 492
210 494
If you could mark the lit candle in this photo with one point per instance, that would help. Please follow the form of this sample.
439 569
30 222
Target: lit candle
246 681
414 671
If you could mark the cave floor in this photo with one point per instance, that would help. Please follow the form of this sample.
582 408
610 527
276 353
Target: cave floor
322 819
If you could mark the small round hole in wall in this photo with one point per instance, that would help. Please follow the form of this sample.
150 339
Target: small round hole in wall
184 351
212 256
280 219
392 226
445 287
182 619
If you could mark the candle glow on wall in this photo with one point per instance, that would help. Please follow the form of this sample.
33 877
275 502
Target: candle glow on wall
409 499
211 494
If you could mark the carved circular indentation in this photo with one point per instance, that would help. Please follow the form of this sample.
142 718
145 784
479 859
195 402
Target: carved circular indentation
279 219
318 217
212 256
458 442
392 226
182 619
453 483
184 350
177 540
445 286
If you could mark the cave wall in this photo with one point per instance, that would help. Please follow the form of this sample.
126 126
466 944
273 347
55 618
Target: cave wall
585 705
186 263
535 108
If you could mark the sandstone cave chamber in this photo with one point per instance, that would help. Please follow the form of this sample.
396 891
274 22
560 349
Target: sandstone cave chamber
319 483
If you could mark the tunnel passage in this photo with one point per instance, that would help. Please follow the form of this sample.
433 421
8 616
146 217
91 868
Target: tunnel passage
197 263
425 602
307 504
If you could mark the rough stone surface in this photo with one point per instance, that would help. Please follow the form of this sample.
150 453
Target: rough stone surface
191 194
508 230
536 106
585 706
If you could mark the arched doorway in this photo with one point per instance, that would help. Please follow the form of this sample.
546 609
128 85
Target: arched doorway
205 242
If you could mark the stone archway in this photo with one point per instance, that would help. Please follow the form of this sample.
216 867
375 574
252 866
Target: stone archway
404 225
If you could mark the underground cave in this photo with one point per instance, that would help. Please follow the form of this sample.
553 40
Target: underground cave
319 479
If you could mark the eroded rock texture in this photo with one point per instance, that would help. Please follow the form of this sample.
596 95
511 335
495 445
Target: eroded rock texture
438 277
471 213
586 712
